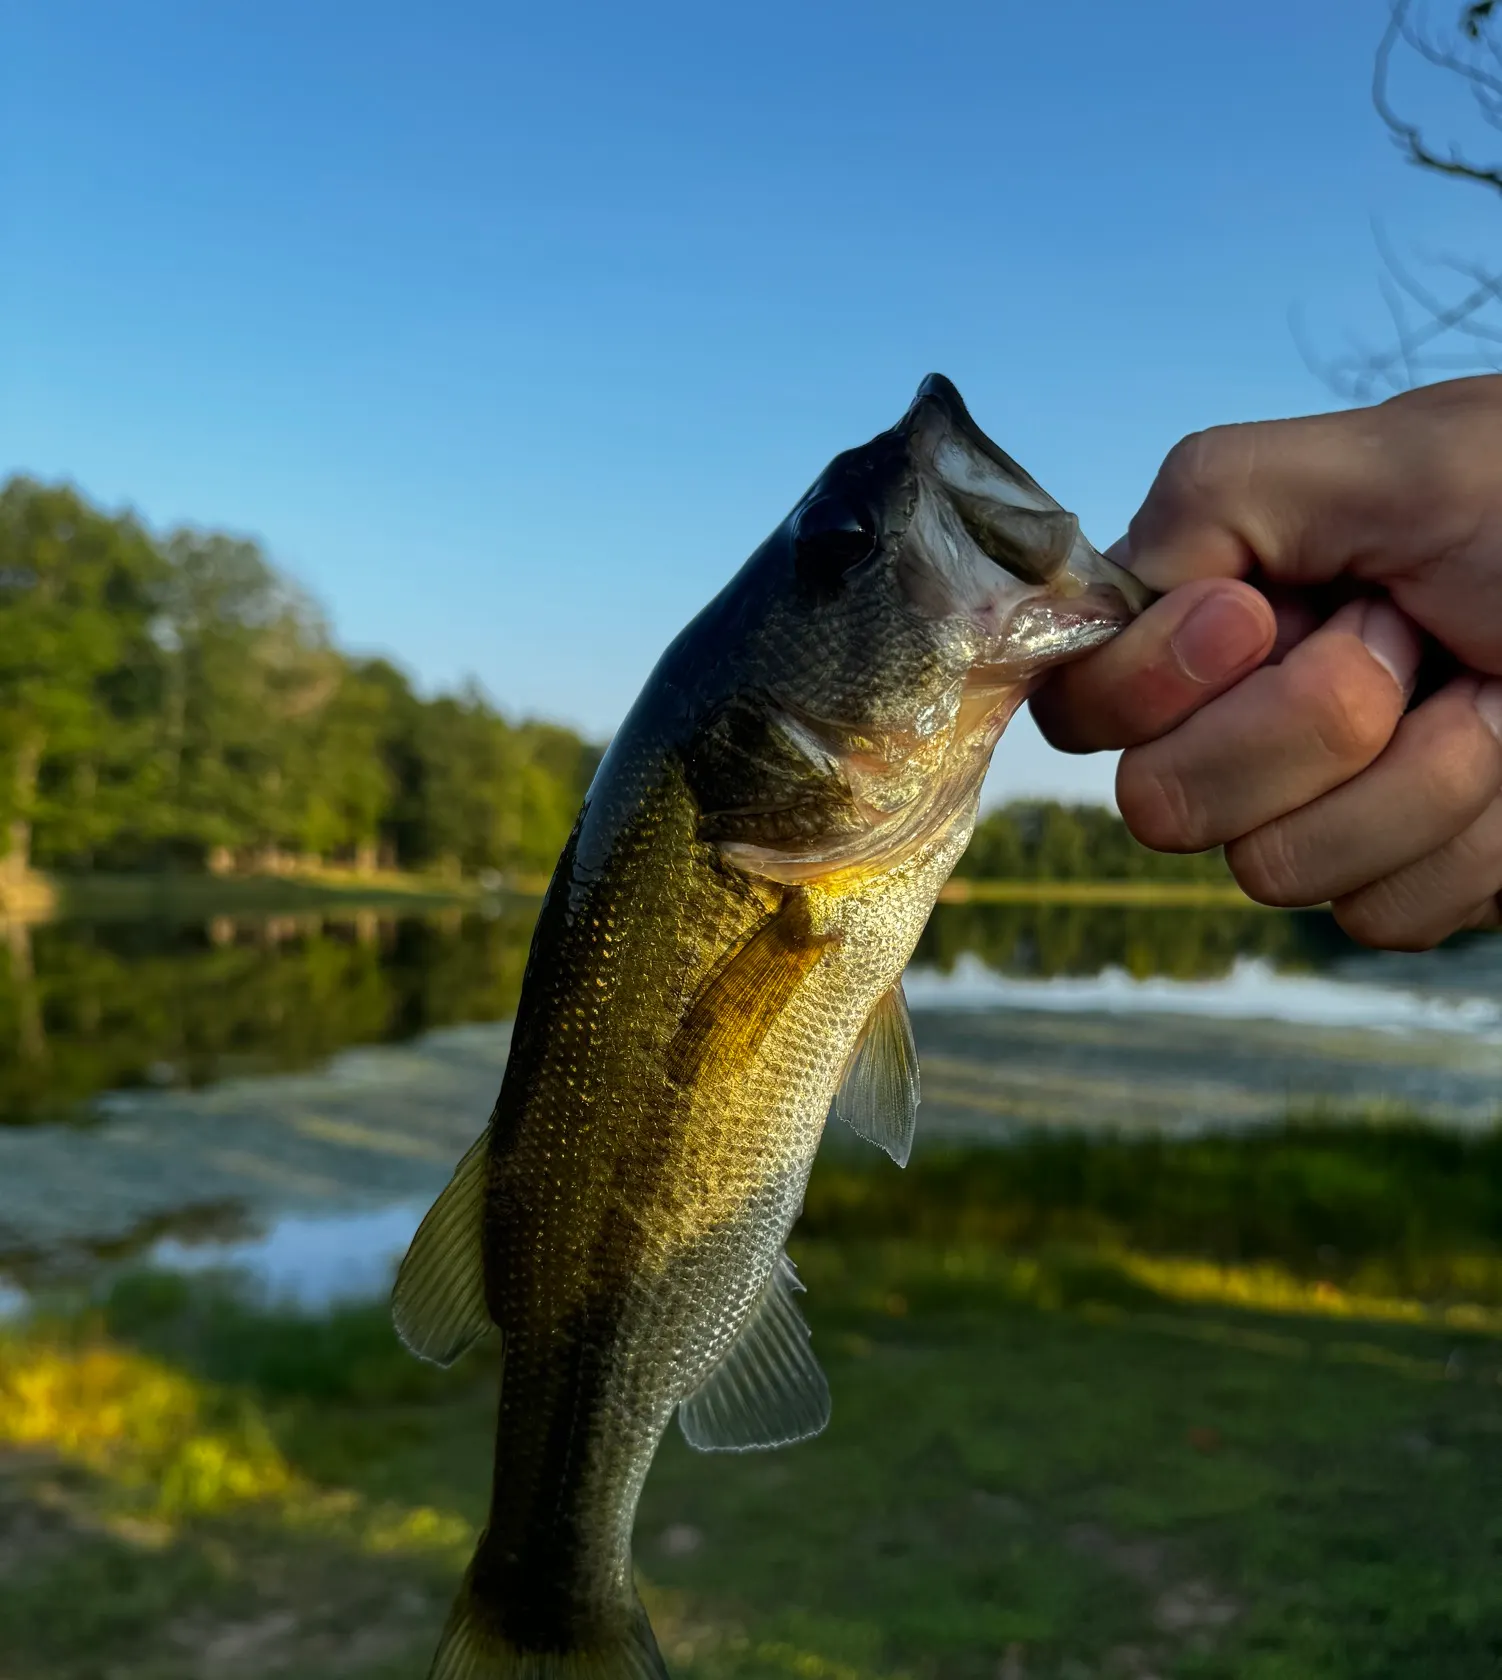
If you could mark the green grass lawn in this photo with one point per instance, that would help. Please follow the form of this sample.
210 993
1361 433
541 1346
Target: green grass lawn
1111 1438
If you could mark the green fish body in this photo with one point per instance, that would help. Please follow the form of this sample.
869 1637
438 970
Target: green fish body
718 958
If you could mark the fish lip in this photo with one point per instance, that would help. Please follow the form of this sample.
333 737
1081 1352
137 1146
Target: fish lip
1086 568
941 392
1088 572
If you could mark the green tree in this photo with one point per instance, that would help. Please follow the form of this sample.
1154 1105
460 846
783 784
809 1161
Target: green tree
487 800
184 702
77 671
342 777
1044 840
250 669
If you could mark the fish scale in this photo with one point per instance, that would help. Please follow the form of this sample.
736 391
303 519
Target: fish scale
719 952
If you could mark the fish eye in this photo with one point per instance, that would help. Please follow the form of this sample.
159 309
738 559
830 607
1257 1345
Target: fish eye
829 538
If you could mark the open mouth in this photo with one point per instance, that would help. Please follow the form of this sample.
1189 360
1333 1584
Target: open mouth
1073 598
975 451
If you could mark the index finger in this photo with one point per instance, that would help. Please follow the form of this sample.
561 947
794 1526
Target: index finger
1373 491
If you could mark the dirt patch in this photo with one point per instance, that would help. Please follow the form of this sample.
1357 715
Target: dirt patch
1189 1610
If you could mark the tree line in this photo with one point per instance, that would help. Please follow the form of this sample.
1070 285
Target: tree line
177 702
1044 840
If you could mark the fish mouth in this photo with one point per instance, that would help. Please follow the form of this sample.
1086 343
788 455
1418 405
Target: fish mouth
939 395
984 548
1001 549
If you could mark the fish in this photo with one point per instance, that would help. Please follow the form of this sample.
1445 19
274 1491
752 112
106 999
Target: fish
716 969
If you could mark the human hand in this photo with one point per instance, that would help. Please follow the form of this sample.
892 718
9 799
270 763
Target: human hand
1260 719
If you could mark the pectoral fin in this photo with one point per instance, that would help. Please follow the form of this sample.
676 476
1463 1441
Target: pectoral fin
878 1097
729 1018
438 1304
768 1390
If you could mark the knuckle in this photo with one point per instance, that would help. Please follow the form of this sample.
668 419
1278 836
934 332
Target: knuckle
1198 465
1377 918
1157 806
1269 868
1348 723
1460 769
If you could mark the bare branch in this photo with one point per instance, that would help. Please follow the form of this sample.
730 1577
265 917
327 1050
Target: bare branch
1442 58
1408 359
1485 88
1437 328
1464 313
1392 296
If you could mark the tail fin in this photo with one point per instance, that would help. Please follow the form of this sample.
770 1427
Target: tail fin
471 1649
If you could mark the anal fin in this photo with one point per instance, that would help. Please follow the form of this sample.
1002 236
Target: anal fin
438 1303
878 1097
769 1389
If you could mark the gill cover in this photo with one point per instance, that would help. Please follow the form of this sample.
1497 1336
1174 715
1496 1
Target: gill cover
901 612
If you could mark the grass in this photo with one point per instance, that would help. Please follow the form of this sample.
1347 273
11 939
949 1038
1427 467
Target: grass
1393 1207
1103 1412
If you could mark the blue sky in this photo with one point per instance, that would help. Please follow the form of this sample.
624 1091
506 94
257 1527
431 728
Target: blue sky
511 329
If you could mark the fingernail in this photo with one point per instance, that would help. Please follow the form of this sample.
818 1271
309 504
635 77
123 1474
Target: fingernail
1488 703
1221 635
1393 642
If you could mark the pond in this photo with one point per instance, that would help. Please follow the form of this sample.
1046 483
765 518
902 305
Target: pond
90 1009
287 1093
87 1008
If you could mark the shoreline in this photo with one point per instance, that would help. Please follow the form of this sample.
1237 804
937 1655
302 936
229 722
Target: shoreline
961 889
179 896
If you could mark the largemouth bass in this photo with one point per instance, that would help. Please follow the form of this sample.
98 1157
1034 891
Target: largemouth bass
719 959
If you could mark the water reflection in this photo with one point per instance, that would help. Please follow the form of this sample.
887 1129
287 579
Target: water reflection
312 1261
1252 991
1048 940
1136 1021
91 1008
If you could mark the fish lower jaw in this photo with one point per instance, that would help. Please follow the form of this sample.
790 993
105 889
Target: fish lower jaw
988 703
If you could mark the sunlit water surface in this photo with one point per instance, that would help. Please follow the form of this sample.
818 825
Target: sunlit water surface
1253 990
